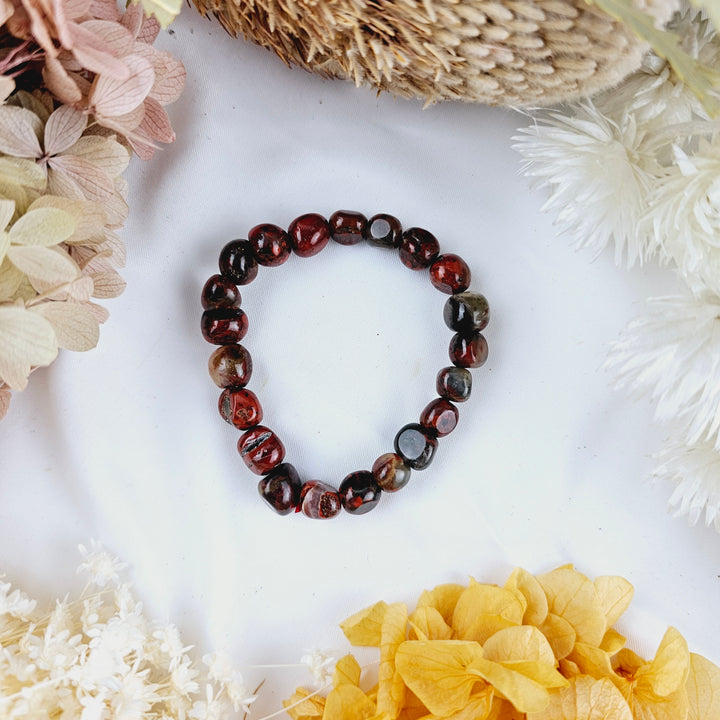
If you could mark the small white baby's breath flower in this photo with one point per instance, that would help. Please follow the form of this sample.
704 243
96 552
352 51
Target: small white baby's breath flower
222 672
103 568
94 707
182 676
16 603
169 643
321 665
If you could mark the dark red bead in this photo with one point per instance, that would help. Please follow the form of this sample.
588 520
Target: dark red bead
468 350
454 383
240 408
238 263
440 416
309 234
385 231
390 472
220 291
261 449
348 227
359 493
416 445
466 312
319 501
222 326
450 274
270 244
280 489
419 249
230 366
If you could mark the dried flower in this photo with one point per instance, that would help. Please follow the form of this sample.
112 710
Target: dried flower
321 665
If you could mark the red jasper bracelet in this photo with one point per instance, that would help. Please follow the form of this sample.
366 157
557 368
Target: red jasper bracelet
225 324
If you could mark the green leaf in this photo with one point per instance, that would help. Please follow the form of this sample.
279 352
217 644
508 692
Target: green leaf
164 10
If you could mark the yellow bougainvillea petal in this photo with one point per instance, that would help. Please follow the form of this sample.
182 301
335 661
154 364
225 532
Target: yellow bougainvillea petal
669 669
651 707
593 661
559 633
443 598
426 623
348 702
478 707
301 707
585 699
436 672
482 610
391 688
542 673
703 689
364 628
413 708
347 671
536 609
522 642
615 594
612 642
573 597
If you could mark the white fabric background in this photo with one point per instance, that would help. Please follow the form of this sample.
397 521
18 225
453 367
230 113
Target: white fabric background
548 465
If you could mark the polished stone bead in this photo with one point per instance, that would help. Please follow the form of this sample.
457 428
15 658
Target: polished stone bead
280 489
440 416
261 449
230 366
270 244
390 472
385 231
454 383
309 234
348 227
416 445
359 493
468 350
450 274
319 501
238 263
220 291
222 326
466 312
240 408
419 249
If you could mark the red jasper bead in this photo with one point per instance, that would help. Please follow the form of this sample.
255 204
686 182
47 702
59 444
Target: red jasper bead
230 366
238 263
319 501
280 489
385 231
270 244
359 493
468 350
450 274
416 445
261 449
419 249
222 326
309 234
441 416
348 227
454 383
390 472
240 408
220 291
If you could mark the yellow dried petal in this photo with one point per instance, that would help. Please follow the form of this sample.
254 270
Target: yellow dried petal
615 594
364 628
436 671
522 642
559 633
482 610
347 671
593 661
669 669
426 623
612 642
391 689
478 707
585 699
536 609
348 702
703 688
301 707
443 598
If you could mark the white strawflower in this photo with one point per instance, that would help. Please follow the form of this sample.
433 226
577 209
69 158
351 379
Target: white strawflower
672 354
695 469
103 568
321 665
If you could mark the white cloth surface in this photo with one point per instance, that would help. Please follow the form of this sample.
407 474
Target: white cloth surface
548 465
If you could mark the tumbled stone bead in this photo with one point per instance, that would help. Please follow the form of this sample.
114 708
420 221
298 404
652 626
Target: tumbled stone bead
319 501
309 234
348 227
440 416
466 312
454 383
238 263
468 350
222 326
359 493
384 230
270 244
419 249
220 291
450 274
390 472
240 408
416 445
230 366
261 449
280 489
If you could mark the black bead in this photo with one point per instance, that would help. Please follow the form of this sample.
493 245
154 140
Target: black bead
466 312
454 383
238 263
280 489
359 493
416 445
385 231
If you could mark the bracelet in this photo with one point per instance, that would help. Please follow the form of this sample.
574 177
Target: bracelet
224 323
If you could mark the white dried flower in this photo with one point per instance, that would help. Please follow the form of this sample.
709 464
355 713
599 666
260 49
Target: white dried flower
16 603
222 672
321 665
103 568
